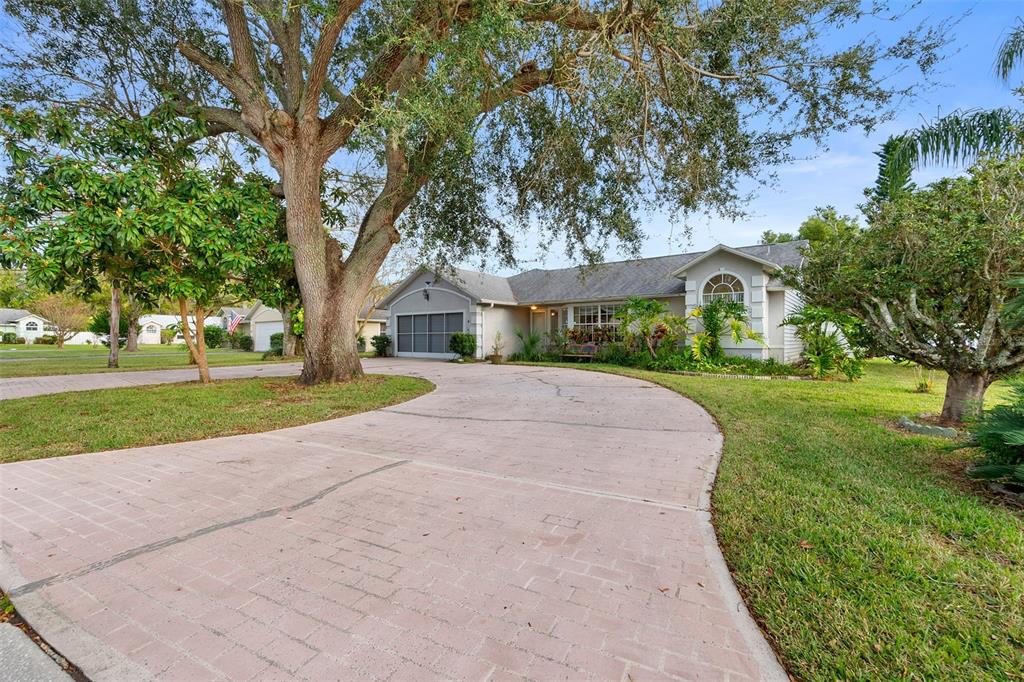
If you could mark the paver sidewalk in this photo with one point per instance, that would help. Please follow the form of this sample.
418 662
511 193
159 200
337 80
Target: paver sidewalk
518 522
24 387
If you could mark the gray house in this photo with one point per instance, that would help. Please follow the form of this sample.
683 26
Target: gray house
428 307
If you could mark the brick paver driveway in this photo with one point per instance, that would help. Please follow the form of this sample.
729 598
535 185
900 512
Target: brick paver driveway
517 522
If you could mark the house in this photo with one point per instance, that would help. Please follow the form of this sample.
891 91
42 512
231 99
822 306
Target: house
23 324
261 322
151 325
428 307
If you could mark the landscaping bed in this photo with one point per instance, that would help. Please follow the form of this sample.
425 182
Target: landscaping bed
864 552
110 419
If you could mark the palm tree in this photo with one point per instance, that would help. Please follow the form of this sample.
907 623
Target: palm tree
961 136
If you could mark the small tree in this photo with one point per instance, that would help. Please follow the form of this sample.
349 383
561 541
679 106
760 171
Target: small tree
126 200
718 318
67 314
930 275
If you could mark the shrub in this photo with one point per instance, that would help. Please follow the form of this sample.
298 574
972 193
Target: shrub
214 336
721 317
10 337
277 341
463 344
361 344
826 344
531 346
20 340
244 342
380 343
47 340
999 433
167 336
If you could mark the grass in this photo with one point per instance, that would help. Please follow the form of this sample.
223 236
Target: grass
861 550
41 360
91 421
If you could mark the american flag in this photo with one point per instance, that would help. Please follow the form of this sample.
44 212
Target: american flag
233 323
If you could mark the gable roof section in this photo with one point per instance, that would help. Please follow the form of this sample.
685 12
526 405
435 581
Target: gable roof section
774 256
8 315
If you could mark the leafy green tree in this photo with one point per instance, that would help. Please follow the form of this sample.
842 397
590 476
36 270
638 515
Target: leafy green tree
929 277
122 200
827 223
478 119
771 237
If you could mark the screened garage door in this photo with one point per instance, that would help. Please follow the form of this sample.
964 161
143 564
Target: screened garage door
427 336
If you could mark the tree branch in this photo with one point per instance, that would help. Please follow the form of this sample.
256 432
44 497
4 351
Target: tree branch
322 57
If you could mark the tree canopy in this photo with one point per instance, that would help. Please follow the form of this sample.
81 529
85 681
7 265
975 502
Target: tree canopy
477 119
931 274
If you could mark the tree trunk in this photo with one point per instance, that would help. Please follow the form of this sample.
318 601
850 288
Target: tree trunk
964 395
328 300
197 346
132 344
288 338
115 326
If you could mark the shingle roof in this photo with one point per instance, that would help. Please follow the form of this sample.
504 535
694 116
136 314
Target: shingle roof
641 277
12 314
606 281
483 286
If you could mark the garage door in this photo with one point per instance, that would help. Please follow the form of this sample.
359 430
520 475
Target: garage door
261 333
427 336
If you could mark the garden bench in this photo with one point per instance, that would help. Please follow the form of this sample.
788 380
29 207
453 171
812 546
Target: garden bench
580 351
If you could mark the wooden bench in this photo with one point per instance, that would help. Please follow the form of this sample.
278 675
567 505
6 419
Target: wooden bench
580 351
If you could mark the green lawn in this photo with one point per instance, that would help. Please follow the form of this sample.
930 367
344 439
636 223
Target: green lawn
861 550
127 417
40 360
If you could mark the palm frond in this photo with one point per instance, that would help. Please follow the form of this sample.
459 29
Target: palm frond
1011 53
959 137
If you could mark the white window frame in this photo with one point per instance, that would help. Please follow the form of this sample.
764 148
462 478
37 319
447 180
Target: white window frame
598 314
731 295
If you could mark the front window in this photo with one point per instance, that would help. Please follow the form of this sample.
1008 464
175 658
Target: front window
31 326
723 286
151 329
595 323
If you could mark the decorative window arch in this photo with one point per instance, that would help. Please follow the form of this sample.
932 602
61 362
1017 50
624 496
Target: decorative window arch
152 329
723 286
31 326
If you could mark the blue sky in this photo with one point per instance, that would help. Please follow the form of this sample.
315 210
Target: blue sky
837 175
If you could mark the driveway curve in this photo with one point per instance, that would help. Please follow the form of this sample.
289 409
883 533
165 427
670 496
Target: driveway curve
518 522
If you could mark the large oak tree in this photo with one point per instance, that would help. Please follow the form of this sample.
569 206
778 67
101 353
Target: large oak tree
477 116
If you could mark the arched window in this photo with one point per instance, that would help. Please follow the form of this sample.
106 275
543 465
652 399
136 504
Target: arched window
724 286
31 326
152 329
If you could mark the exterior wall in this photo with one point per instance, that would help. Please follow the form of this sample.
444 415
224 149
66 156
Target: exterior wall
444 298
755 297
83 339
370 330
149 333
30 335
776 333
505 319
792 346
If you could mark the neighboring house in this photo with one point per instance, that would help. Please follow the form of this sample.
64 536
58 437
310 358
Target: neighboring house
151 325
427 307
261 322
23 324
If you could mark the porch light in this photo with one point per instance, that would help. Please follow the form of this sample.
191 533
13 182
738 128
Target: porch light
533 307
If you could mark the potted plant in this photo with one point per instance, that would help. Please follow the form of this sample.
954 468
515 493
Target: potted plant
499 345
